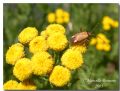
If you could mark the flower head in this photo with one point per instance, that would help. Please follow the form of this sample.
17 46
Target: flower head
80 48
59 12
27 34
39 43
60 76
14 53
26 85
10 85
106 47
66 17
54 28
59 20
44 34
42 63
106 27
115 24
93 41
72 59
51 17
22 69
57 41
108 23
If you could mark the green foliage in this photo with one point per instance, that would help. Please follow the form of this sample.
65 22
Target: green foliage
86 16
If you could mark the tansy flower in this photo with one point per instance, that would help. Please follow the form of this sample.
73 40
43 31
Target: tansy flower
59 12
51 17
44 34
59 20
80 48
14 53
10 85
26 85
106 47
106 27
66 17
72 59
107 20
27 34
60 76
115 24
57 41
101 38
99 46
54 28
42 63
39 43
93 41
22 69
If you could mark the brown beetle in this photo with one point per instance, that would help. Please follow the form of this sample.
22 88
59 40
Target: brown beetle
81 37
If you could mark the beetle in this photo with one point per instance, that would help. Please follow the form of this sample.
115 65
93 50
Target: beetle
82 38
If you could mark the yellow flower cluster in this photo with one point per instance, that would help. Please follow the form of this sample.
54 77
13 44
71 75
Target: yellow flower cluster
22 69
55 37
57 41
14 85
60 76
27 34
10 85
15 52
38 44
72 59
80 48
60 16
42 63
101 42
108 23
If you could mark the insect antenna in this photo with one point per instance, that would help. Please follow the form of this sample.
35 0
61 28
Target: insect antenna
94 27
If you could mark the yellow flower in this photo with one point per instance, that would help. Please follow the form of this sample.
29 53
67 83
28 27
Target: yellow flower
22 69
42 63
60 76
15 52
44 34
101 38
79 48
39 43
99 46
115 24
26 85
106 47
66 14
107 20
54 28
59 20
59 12
93 41
66 17
51 17
72 59
10 85
27 34
57 41
106 27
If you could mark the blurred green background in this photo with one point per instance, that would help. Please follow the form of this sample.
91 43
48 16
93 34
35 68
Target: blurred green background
86 16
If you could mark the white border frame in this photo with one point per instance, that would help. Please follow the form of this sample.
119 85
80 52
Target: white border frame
35 1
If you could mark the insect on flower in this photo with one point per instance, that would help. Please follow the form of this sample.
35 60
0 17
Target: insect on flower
83 37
